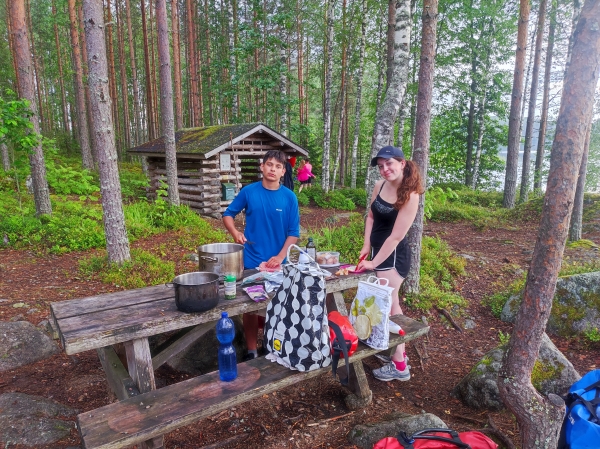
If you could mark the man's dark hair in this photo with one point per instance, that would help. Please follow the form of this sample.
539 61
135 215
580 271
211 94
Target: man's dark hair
278 155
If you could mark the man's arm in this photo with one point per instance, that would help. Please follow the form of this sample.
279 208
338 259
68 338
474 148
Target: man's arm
238 236
277 260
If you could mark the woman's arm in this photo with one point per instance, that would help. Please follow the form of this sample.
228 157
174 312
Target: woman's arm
406 216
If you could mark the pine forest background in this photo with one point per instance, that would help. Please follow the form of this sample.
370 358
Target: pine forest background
264 61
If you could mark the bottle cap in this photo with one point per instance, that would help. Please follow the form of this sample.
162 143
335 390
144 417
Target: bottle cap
224 315
229 277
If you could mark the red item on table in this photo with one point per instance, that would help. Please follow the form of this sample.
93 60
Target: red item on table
263 267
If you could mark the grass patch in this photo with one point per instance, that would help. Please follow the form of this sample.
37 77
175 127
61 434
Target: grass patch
496 301
142 270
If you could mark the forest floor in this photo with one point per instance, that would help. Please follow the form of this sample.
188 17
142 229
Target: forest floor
310 414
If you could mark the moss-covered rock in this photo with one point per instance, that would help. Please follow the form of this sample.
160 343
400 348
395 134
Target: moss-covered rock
552 373
575 307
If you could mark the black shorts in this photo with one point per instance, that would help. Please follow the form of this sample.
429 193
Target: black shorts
305 182
398 260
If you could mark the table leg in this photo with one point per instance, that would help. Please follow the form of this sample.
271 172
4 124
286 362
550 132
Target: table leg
139 363
358 384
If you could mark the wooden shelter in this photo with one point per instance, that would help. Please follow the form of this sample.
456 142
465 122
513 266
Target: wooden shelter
214 162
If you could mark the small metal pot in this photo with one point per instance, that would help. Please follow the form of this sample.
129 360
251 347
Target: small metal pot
196 292
222 258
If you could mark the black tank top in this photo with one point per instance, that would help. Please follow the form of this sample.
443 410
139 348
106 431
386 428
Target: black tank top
384 218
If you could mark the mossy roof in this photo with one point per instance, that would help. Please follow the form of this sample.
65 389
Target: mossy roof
210 140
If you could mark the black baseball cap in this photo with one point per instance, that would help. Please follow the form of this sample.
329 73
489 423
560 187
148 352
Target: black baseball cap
387 153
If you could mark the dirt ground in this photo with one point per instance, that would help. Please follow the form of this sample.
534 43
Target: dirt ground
311 414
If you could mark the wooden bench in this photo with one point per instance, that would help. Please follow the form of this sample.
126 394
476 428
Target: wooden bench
143 413
151 414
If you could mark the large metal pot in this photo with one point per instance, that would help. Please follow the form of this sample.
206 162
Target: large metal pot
196 292
222 258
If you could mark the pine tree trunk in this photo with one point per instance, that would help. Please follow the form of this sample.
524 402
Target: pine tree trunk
232 65
112 78
327 99
199 67
539 418
539 158
148 76
86 85
61 82
383 132
211 112
124 84
420 154
359 81
177 66
134 78
525 179
526 89
300 64
576 222
166 101
512 154
575 17
117 244
11 45
5 157
37 75
191 42
82 118
22 55
154 83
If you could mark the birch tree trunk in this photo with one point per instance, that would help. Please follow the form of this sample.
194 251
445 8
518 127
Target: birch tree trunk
359 81
82 118
532 102
420 153
22 55
539 158
575 224
327 99
166 101
5 157
512 154
134 78
383 133
539 418
177 66
117 244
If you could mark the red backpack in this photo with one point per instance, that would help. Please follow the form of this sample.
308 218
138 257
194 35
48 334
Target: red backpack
344 341
437 439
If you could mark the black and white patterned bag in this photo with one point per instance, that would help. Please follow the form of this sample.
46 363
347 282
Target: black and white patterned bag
296 332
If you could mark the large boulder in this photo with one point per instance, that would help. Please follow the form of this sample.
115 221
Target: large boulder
33 420
552 373
575 307
21 343
366 435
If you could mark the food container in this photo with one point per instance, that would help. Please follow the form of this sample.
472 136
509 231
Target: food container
222 258
328 258
196 292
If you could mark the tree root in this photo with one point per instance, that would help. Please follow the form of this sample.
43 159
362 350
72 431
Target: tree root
449 318
494 431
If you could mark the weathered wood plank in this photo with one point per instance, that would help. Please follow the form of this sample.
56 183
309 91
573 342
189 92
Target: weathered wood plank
119 380
103 320
161 411
189 337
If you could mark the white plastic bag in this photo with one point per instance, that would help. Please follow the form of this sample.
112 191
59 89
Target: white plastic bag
373 303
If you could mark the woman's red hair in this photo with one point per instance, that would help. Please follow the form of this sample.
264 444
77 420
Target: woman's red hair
411 182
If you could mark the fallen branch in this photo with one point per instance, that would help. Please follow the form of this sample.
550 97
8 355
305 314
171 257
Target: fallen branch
449 318
293 419
261 425
468 418
233 439
419 354
323 421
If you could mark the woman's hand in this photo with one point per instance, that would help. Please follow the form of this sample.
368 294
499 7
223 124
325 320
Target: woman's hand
365 265
364 252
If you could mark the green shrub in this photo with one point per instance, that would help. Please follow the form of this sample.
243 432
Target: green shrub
496 301
201 233
142 270
133 181
358 196
303 199
336 200
348 240
570 268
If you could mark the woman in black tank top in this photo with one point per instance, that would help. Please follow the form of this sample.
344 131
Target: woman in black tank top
394 205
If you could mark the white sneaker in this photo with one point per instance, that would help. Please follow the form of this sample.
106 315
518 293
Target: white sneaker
390 372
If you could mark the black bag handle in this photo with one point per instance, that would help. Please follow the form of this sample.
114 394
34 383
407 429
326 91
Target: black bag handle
339 346
408 441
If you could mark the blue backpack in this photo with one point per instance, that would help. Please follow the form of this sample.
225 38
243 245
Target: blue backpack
581 426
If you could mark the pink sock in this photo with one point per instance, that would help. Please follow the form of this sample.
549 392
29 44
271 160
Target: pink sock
400 366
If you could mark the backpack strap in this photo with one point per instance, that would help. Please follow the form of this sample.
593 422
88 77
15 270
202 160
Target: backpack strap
339 346
408 441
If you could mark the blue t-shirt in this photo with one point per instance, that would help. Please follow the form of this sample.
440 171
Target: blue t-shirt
271 217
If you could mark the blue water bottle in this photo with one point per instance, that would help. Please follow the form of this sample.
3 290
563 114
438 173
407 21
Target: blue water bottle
227 358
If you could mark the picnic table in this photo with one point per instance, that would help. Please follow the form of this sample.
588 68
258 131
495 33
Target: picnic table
144 414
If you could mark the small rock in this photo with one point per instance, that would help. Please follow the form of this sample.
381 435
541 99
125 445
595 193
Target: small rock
3 300
21 344
16 318
466 256
193 257
470 324
19 305
30 311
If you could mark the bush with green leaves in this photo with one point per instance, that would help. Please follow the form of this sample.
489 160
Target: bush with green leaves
133 181
303 199
358 196
142 270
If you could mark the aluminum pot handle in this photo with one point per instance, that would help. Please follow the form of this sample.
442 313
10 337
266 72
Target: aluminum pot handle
169 285
210 259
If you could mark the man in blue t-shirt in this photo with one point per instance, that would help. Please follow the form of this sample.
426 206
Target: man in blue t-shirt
272 225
